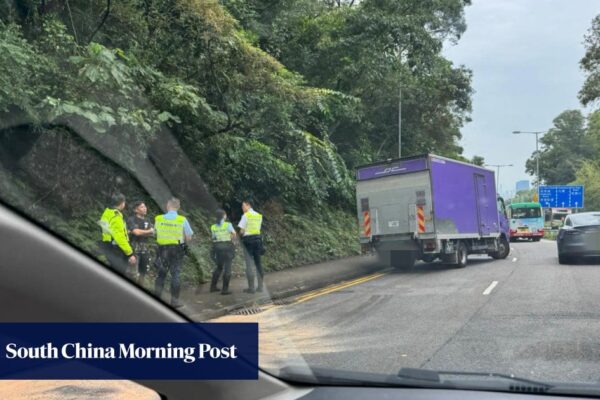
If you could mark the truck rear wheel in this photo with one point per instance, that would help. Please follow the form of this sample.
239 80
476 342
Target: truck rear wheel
403 259
503 249
461 255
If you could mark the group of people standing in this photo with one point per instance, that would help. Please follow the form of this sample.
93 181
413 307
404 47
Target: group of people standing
224 240
127 245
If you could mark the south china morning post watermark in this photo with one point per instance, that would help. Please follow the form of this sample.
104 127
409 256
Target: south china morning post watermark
155 351
78 351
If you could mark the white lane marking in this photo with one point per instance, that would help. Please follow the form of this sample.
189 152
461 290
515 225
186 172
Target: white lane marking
514 259
490 288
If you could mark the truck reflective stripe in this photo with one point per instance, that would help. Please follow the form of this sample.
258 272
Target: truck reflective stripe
420 219
366 224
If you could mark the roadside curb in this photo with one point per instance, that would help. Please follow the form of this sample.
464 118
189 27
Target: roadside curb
272 298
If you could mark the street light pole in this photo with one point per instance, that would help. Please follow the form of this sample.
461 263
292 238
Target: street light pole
537 152
498 166
400 122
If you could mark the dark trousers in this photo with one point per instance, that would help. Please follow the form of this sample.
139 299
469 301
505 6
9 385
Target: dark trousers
169 259
224 253
117 260
143 262
252 254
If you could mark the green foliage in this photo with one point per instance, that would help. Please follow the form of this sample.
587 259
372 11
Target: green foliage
563 149
278 105
590 63
589 176
368 51
524 196
477 160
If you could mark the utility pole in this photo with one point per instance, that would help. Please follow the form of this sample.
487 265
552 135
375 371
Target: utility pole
537 153
498 166
400 122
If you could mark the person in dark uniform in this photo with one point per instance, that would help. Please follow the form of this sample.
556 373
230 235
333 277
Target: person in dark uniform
223 236
115 242
140 232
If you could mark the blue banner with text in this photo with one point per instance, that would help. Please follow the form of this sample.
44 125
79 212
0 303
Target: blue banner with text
156 351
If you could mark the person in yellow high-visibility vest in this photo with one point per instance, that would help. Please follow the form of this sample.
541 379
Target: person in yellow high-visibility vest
115 242
223 236
172 233
250 226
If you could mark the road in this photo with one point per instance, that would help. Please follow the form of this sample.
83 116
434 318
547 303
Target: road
526 315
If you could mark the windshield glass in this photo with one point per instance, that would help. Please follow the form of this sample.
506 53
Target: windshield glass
330 169
585 219
526 212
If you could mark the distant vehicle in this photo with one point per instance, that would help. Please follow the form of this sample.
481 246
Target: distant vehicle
429 207
555 217
526 221
579 237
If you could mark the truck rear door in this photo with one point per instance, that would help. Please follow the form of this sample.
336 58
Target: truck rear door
396 204
481 191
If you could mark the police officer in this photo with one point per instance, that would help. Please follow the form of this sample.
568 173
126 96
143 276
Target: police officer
115 242
250 225
140 231
223 235
172 233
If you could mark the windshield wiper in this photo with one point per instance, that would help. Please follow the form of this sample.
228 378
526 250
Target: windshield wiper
423 378
515 383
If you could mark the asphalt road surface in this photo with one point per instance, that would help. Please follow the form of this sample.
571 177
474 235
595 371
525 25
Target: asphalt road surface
525 315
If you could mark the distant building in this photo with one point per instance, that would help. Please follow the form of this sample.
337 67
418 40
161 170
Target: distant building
522 185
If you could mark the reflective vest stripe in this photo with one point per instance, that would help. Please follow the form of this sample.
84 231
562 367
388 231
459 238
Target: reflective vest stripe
169 231
254 222
221 233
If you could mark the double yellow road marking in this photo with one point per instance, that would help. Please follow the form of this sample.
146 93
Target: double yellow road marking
336 287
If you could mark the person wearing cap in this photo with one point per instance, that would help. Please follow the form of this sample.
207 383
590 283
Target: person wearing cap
223 237
115 242
140 231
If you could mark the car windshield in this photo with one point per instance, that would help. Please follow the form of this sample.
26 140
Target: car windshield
585 219
526 212
335 170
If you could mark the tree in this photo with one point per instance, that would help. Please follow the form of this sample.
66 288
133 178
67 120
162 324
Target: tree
588 175
563 149
524 196
590 63
478 160
371 50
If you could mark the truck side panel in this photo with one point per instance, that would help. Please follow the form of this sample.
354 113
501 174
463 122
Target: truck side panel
459 208
393 202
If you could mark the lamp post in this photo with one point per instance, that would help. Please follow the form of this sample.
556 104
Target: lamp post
498 166
400 122
537 153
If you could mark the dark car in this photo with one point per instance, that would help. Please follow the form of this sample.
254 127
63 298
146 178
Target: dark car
579 237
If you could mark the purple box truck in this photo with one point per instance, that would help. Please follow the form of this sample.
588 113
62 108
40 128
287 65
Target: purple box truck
429 207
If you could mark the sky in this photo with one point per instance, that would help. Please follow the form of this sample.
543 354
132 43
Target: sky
525 56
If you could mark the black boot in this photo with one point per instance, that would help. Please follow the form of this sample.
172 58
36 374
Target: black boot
226 279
